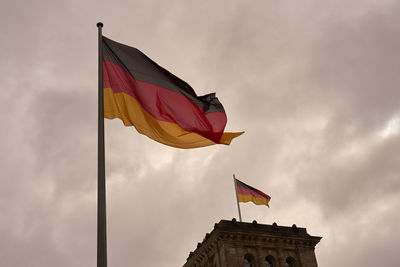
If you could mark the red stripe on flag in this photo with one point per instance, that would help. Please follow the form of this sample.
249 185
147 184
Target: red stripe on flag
164 104
255 193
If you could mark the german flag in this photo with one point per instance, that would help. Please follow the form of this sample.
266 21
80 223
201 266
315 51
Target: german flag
157 103
247 193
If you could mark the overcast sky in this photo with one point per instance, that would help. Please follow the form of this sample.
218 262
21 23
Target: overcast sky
314 84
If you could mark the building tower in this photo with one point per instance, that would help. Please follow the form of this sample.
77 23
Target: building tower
238 244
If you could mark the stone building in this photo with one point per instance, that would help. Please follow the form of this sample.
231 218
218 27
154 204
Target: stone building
238 244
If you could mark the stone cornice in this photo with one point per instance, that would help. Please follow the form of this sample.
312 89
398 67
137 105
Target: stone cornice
251 234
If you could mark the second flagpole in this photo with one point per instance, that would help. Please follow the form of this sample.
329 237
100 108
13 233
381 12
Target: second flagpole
237 198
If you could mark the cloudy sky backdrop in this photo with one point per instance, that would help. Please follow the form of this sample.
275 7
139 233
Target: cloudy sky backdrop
315 85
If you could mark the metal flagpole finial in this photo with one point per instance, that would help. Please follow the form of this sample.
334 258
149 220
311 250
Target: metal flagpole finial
99 24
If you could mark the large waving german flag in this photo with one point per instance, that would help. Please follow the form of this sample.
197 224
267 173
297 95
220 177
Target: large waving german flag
247 193
157 103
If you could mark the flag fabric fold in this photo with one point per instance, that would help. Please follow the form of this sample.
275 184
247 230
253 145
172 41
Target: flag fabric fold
247 193
157 103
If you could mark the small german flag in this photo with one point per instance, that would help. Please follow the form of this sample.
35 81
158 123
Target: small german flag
247 193
157 103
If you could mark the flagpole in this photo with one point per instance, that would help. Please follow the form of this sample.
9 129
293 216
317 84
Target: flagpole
101 181
237 198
